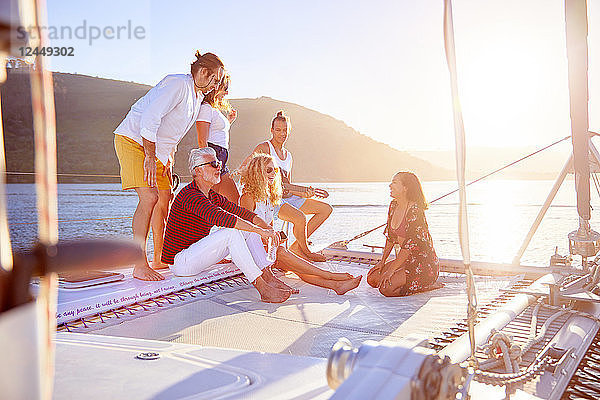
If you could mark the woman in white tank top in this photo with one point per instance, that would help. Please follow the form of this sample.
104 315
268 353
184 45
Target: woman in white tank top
297 204
261 193
213 125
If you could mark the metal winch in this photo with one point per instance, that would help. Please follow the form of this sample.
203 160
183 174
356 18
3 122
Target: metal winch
404 370
584 241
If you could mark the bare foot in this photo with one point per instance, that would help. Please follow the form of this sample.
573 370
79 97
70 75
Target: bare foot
341 276
282 285
272 280
159 265
145 273
316 257
270 294
295 248
342 287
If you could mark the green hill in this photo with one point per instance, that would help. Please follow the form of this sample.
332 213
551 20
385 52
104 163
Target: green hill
88 109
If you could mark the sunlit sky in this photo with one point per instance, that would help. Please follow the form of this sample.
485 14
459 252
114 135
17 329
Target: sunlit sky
379 66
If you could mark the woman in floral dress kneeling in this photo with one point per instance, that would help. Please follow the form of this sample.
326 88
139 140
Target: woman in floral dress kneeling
416 266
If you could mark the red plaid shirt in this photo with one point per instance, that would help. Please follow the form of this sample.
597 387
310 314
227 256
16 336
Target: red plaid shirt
192 216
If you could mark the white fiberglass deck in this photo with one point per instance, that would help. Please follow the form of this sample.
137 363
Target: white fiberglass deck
100 367
310 322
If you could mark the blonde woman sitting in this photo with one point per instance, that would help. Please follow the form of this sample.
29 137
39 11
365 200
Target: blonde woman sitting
262 194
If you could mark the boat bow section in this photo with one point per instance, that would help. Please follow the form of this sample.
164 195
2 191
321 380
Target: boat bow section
125 368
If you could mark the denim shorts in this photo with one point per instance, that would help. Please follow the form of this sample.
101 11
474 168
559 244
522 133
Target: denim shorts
276 211
222 155
294 201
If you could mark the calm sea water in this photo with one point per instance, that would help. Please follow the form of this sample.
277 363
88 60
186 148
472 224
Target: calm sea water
500 214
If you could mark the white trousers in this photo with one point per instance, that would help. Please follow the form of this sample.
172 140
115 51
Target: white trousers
246 250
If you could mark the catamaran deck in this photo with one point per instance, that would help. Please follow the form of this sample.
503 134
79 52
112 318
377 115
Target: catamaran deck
218 314
228 314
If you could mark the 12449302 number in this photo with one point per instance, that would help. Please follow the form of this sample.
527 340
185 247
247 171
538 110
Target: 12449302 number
47 51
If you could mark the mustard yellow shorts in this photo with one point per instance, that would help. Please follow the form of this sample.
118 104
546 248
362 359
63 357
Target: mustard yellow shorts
131 160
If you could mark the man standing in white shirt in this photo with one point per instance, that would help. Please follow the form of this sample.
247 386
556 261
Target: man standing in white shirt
146 141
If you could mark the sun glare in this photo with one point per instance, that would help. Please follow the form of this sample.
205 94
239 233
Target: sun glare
513 79
502 97
493 226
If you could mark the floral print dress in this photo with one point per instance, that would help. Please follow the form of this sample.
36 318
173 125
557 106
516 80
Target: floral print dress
422 265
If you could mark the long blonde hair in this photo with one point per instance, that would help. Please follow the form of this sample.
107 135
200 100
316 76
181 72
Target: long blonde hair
211 98
256 184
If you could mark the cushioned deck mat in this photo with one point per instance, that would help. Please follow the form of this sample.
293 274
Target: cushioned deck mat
310 322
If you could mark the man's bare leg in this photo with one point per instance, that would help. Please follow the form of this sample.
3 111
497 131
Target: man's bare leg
158 222
298 219
141 225
321 212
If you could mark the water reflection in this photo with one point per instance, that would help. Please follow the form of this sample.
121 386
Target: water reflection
500 214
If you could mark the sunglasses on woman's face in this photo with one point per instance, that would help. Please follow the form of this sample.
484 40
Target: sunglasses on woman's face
269 170
215 164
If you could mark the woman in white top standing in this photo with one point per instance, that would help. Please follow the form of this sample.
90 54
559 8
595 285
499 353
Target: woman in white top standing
213 124
262 194
299 204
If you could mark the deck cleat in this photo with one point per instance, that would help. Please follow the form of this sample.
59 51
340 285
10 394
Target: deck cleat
560 260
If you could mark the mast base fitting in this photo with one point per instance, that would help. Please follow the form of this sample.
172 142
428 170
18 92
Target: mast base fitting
585 244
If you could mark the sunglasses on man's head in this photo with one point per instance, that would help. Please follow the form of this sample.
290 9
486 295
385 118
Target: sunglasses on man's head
215 164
